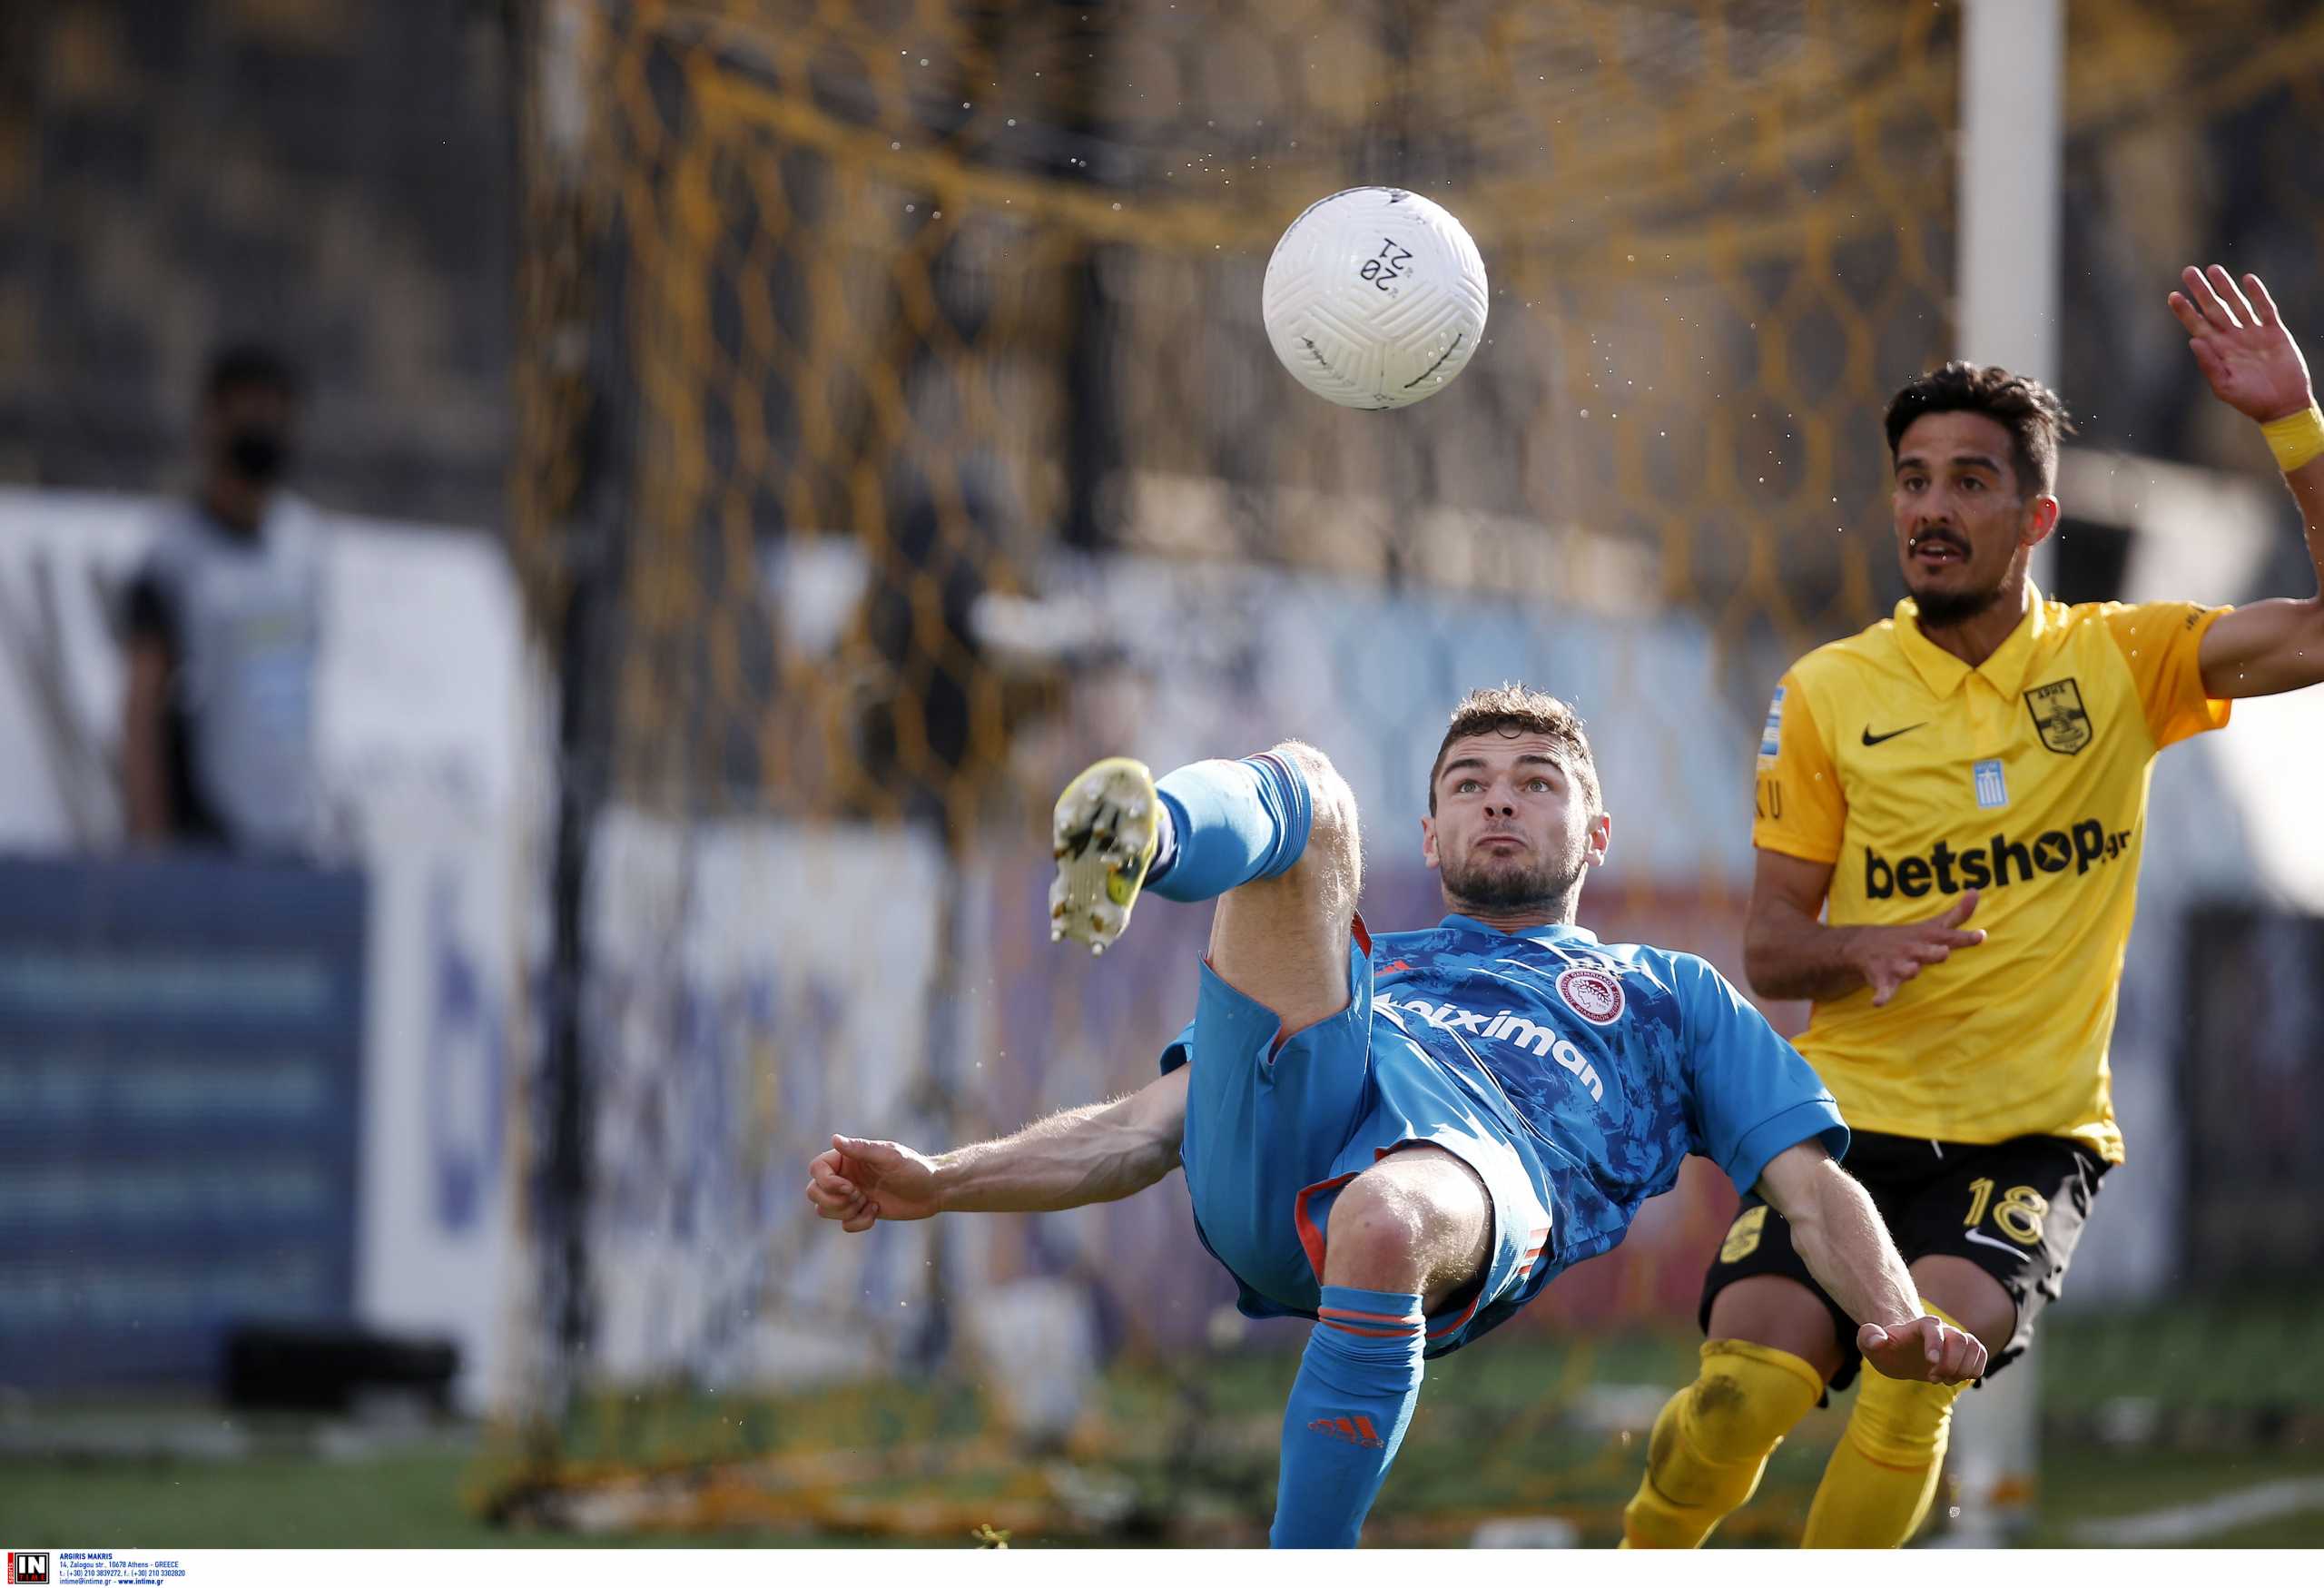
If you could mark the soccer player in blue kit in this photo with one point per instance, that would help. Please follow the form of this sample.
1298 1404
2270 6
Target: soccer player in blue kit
1406 1137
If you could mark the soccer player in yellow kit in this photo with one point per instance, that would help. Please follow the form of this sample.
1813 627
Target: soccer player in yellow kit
1950 811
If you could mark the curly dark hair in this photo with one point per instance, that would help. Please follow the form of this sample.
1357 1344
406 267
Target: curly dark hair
1512 709
2030 411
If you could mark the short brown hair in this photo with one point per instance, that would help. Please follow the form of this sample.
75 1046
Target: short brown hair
1512 709
2031 413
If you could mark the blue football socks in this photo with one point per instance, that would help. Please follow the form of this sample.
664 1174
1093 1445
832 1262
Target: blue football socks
1349 1405
1228 822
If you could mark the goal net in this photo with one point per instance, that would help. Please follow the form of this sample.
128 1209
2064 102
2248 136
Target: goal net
898 434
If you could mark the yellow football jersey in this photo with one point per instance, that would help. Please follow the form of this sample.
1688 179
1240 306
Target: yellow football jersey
1916 776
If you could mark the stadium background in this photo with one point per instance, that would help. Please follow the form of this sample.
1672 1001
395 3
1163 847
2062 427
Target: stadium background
772 444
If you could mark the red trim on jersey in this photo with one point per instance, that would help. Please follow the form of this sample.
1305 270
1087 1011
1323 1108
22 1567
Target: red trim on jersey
1311 1237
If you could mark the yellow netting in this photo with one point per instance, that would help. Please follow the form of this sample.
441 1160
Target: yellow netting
892 364
866 250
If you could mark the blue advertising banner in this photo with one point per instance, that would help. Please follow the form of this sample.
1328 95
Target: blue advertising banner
180 1078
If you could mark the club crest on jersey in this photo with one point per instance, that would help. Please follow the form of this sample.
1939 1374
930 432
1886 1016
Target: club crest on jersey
1593 994
2058 716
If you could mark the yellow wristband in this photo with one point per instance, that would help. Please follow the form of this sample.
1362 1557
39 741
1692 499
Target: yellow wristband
2297 437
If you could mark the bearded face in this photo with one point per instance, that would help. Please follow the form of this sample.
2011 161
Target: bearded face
1502 871
1961 517
1513 830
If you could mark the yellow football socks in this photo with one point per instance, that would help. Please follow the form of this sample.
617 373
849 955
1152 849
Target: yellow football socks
1882 1477
1713 1439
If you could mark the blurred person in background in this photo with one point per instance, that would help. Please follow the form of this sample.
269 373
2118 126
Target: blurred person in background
224 621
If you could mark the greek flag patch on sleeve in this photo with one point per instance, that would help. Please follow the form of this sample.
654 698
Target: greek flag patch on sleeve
1772 736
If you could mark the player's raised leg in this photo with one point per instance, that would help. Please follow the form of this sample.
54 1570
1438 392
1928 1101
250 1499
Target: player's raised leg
1272 837
1403 1238
1283 939
1280 1051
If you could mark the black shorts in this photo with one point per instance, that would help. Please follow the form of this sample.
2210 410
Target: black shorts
2014 1208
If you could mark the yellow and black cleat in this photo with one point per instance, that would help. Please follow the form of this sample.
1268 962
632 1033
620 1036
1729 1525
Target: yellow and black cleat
1103 835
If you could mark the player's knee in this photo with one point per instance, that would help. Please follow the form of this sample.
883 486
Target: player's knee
1746 1399
1419 1221
1779 1314
1334 844
1718 1417
1970 1298
1378 1237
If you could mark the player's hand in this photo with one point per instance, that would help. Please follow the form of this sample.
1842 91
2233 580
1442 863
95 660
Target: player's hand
1889 956
859 1183
2240 344
1927 1348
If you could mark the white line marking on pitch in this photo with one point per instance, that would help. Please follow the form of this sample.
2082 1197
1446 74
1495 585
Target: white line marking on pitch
2184 1523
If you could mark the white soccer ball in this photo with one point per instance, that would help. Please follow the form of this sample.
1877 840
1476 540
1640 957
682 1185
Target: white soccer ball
1375 298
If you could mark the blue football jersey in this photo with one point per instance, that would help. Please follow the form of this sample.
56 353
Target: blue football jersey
1607 1064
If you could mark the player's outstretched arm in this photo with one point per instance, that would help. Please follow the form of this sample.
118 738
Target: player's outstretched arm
1789 952
1100 1153
1837 1233
2252 364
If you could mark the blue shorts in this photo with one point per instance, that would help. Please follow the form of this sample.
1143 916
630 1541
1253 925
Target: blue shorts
1272 1134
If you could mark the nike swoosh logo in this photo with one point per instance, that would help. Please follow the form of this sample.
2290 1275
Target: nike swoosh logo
1871 738
2003 1245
